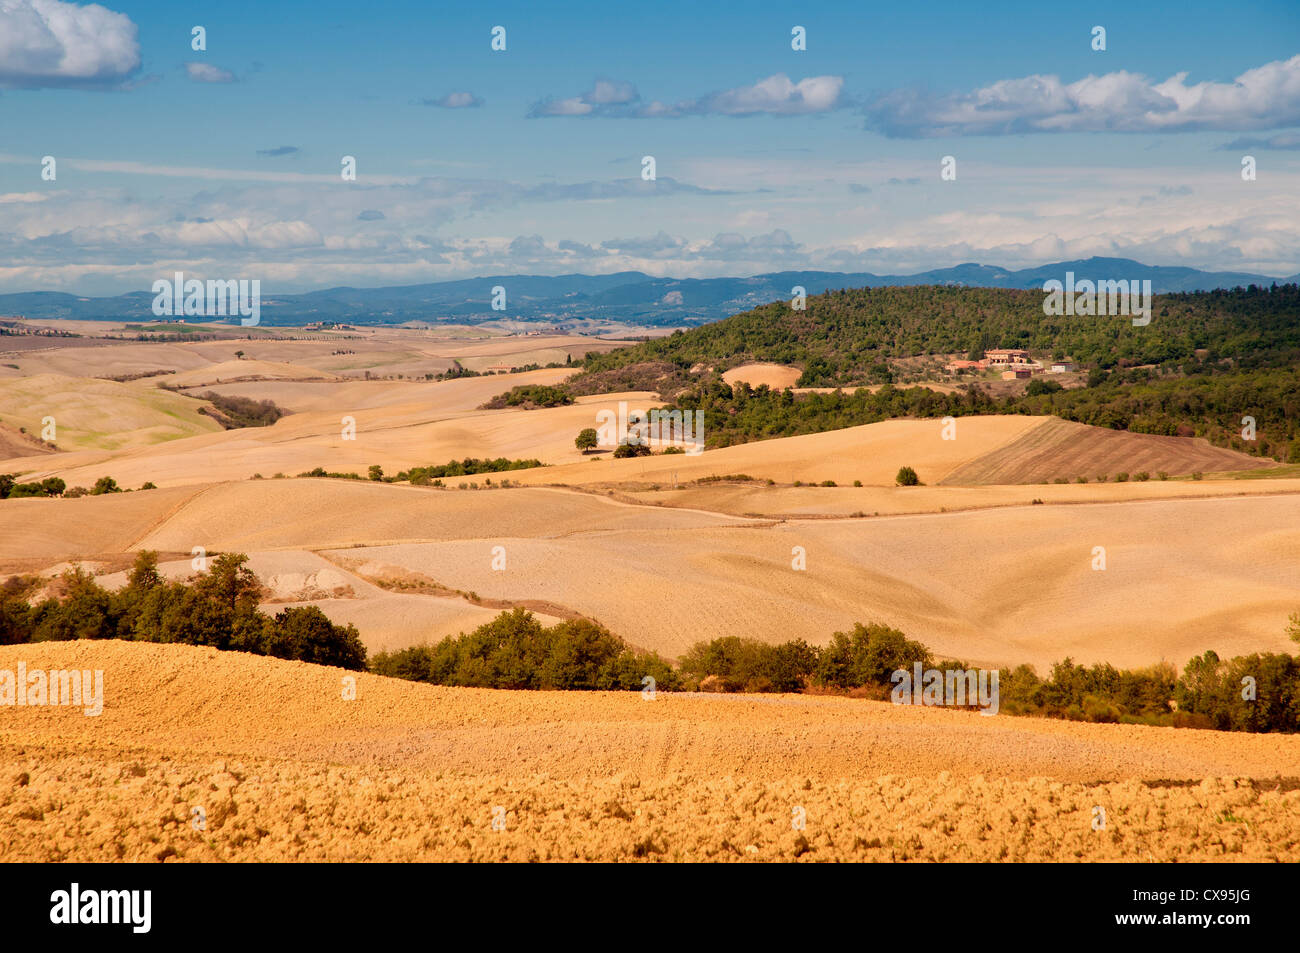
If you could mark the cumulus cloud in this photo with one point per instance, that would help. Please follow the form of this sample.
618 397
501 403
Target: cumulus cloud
1266 97
207 73
777 95
661 245
455 100
775 246
51 43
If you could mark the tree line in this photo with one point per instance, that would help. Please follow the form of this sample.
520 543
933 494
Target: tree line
219 608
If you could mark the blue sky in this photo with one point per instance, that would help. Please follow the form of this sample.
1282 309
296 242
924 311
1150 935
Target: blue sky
225 162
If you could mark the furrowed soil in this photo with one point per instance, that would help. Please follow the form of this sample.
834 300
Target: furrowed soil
1063 449
282 767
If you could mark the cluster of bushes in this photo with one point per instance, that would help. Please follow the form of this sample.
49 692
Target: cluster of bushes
859 661
53 486
322 472
530 397
235 412
218 609
1247 693
422 476
514 650
1259 692
457 370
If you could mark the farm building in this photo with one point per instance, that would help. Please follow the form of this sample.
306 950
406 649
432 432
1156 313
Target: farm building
1007 356
1017 373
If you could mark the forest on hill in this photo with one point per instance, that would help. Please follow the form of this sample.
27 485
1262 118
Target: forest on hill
1206 361
844 337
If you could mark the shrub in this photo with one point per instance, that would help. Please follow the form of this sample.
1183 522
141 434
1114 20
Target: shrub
235 412
105 484
625 450
514 650
867 656
735 664
907 477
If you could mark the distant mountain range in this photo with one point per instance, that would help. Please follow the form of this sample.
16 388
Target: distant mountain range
626 297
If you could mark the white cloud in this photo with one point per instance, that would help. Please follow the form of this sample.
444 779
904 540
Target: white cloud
454 100
207 73
777 95
1267 97
51 43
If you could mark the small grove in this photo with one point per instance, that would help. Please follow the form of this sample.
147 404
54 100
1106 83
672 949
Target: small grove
219 609
10 489
515 651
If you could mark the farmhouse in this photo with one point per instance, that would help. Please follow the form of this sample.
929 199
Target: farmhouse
1006 356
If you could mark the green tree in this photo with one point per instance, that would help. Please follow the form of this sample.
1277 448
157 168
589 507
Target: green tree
587 439
105 484
306 634
376 472
907 477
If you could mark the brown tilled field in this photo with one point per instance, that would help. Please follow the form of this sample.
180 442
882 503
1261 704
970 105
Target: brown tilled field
1062 449
284 768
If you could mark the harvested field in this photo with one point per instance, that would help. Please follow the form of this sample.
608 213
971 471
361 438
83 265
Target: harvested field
871 453
1188 574
1062 449
98 414
775 376
285 769
14 443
